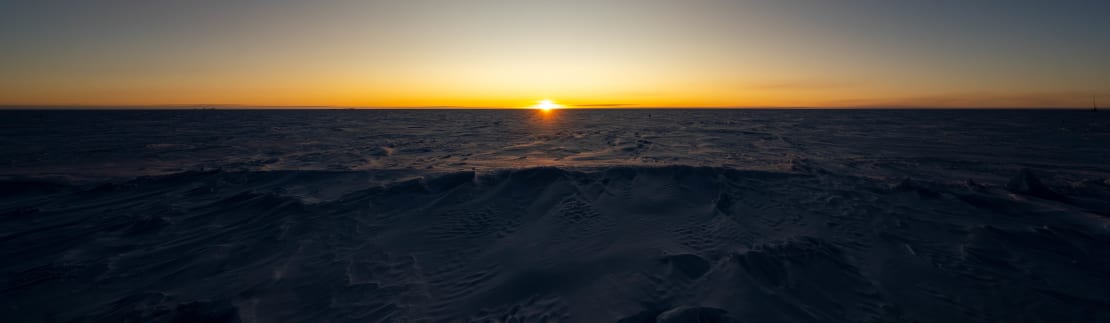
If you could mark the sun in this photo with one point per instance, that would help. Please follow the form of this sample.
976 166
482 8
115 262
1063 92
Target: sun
546 105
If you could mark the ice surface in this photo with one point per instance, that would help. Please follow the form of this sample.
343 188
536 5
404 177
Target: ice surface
593 216
986 146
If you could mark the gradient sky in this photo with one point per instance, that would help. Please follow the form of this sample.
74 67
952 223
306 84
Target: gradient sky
620 53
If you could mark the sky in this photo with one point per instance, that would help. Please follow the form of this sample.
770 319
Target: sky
618 53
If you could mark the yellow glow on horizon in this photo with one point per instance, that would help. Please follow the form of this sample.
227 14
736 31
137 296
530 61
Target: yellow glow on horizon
509 54
546 105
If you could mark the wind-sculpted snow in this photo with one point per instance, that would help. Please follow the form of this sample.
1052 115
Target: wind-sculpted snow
404 216
629 244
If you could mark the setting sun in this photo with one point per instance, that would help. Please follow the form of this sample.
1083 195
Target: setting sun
546 105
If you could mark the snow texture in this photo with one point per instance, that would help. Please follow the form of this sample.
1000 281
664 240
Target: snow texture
582 216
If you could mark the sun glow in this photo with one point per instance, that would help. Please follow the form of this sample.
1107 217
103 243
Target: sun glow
546 105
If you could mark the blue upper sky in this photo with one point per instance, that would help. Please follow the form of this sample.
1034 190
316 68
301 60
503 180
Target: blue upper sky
510 53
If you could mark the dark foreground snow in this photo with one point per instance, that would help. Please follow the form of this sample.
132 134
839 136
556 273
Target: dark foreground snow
794 216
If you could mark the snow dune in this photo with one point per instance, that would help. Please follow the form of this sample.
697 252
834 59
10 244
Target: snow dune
627 244
593 216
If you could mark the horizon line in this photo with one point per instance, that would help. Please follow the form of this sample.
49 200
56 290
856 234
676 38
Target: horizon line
11 107
263 108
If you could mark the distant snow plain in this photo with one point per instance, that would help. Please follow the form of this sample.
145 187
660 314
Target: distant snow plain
572 215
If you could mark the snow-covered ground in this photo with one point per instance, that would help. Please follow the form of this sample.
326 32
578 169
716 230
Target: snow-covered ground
574 215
